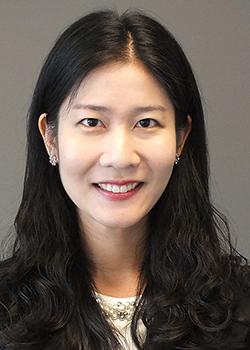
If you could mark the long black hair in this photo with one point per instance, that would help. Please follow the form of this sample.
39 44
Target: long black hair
191 270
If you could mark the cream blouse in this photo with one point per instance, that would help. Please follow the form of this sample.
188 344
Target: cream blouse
123 326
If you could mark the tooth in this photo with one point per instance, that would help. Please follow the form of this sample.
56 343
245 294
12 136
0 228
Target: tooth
117 189
124 189
108 187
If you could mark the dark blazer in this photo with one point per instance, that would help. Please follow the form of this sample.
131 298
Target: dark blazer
240 335
241 328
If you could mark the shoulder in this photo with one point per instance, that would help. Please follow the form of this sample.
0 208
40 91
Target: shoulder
5 300
241 309
242 297
3 325
2 345
240 331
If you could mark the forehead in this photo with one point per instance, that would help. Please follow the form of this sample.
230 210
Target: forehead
120 86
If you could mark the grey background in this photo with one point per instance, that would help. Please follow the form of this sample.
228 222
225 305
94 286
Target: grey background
215 36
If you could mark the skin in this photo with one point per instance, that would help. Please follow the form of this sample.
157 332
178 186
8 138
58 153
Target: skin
118 147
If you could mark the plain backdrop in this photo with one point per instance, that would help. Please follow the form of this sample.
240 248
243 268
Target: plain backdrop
215 35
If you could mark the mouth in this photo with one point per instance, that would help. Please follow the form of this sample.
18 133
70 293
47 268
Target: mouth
117 195
138 185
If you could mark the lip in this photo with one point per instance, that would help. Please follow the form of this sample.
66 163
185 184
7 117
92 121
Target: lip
118 196
118 183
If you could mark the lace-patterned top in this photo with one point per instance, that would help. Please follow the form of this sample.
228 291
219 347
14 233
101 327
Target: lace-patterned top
120 312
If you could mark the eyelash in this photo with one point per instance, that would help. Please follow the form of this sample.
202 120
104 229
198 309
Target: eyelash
157 123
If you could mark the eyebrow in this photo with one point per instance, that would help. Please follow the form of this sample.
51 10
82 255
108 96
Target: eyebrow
136 110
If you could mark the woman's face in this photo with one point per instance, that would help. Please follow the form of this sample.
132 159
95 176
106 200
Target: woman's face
119 127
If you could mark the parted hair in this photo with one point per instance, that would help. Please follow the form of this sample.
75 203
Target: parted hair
193 274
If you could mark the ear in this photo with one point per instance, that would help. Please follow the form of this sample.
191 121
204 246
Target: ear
47 135
183 135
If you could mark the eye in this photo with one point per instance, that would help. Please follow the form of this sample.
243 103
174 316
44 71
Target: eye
146 122
91 122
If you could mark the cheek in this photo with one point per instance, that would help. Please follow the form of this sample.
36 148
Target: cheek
163 163
163 169
72 150
163 152
69 160
71 156
76 158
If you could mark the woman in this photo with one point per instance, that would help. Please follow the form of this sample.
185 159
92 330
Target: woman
118 245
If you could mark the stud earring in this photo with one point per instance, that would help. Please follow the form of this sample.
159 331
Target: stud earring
53 159
177 158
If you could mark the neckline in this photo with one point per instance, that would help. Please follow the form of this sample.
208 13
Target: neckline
109 297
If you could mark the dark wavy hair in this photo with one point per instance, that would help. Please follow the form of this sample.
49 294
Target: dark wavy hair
192 272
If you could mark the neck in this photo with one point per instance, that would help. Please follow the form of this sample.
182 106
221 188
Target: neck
117 255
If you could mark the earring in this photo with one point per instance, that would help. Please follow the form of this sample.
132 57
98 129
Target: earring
53 159
177 158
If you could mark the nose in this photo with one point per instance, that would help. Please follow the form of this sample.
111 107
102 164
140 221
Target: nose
119 151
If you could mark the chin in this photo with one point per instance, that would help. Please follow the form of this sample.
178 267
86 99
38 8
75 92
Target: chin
120 222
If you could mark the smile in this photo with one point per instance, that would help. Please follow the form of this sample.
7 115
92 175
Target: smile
118 189
115 192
